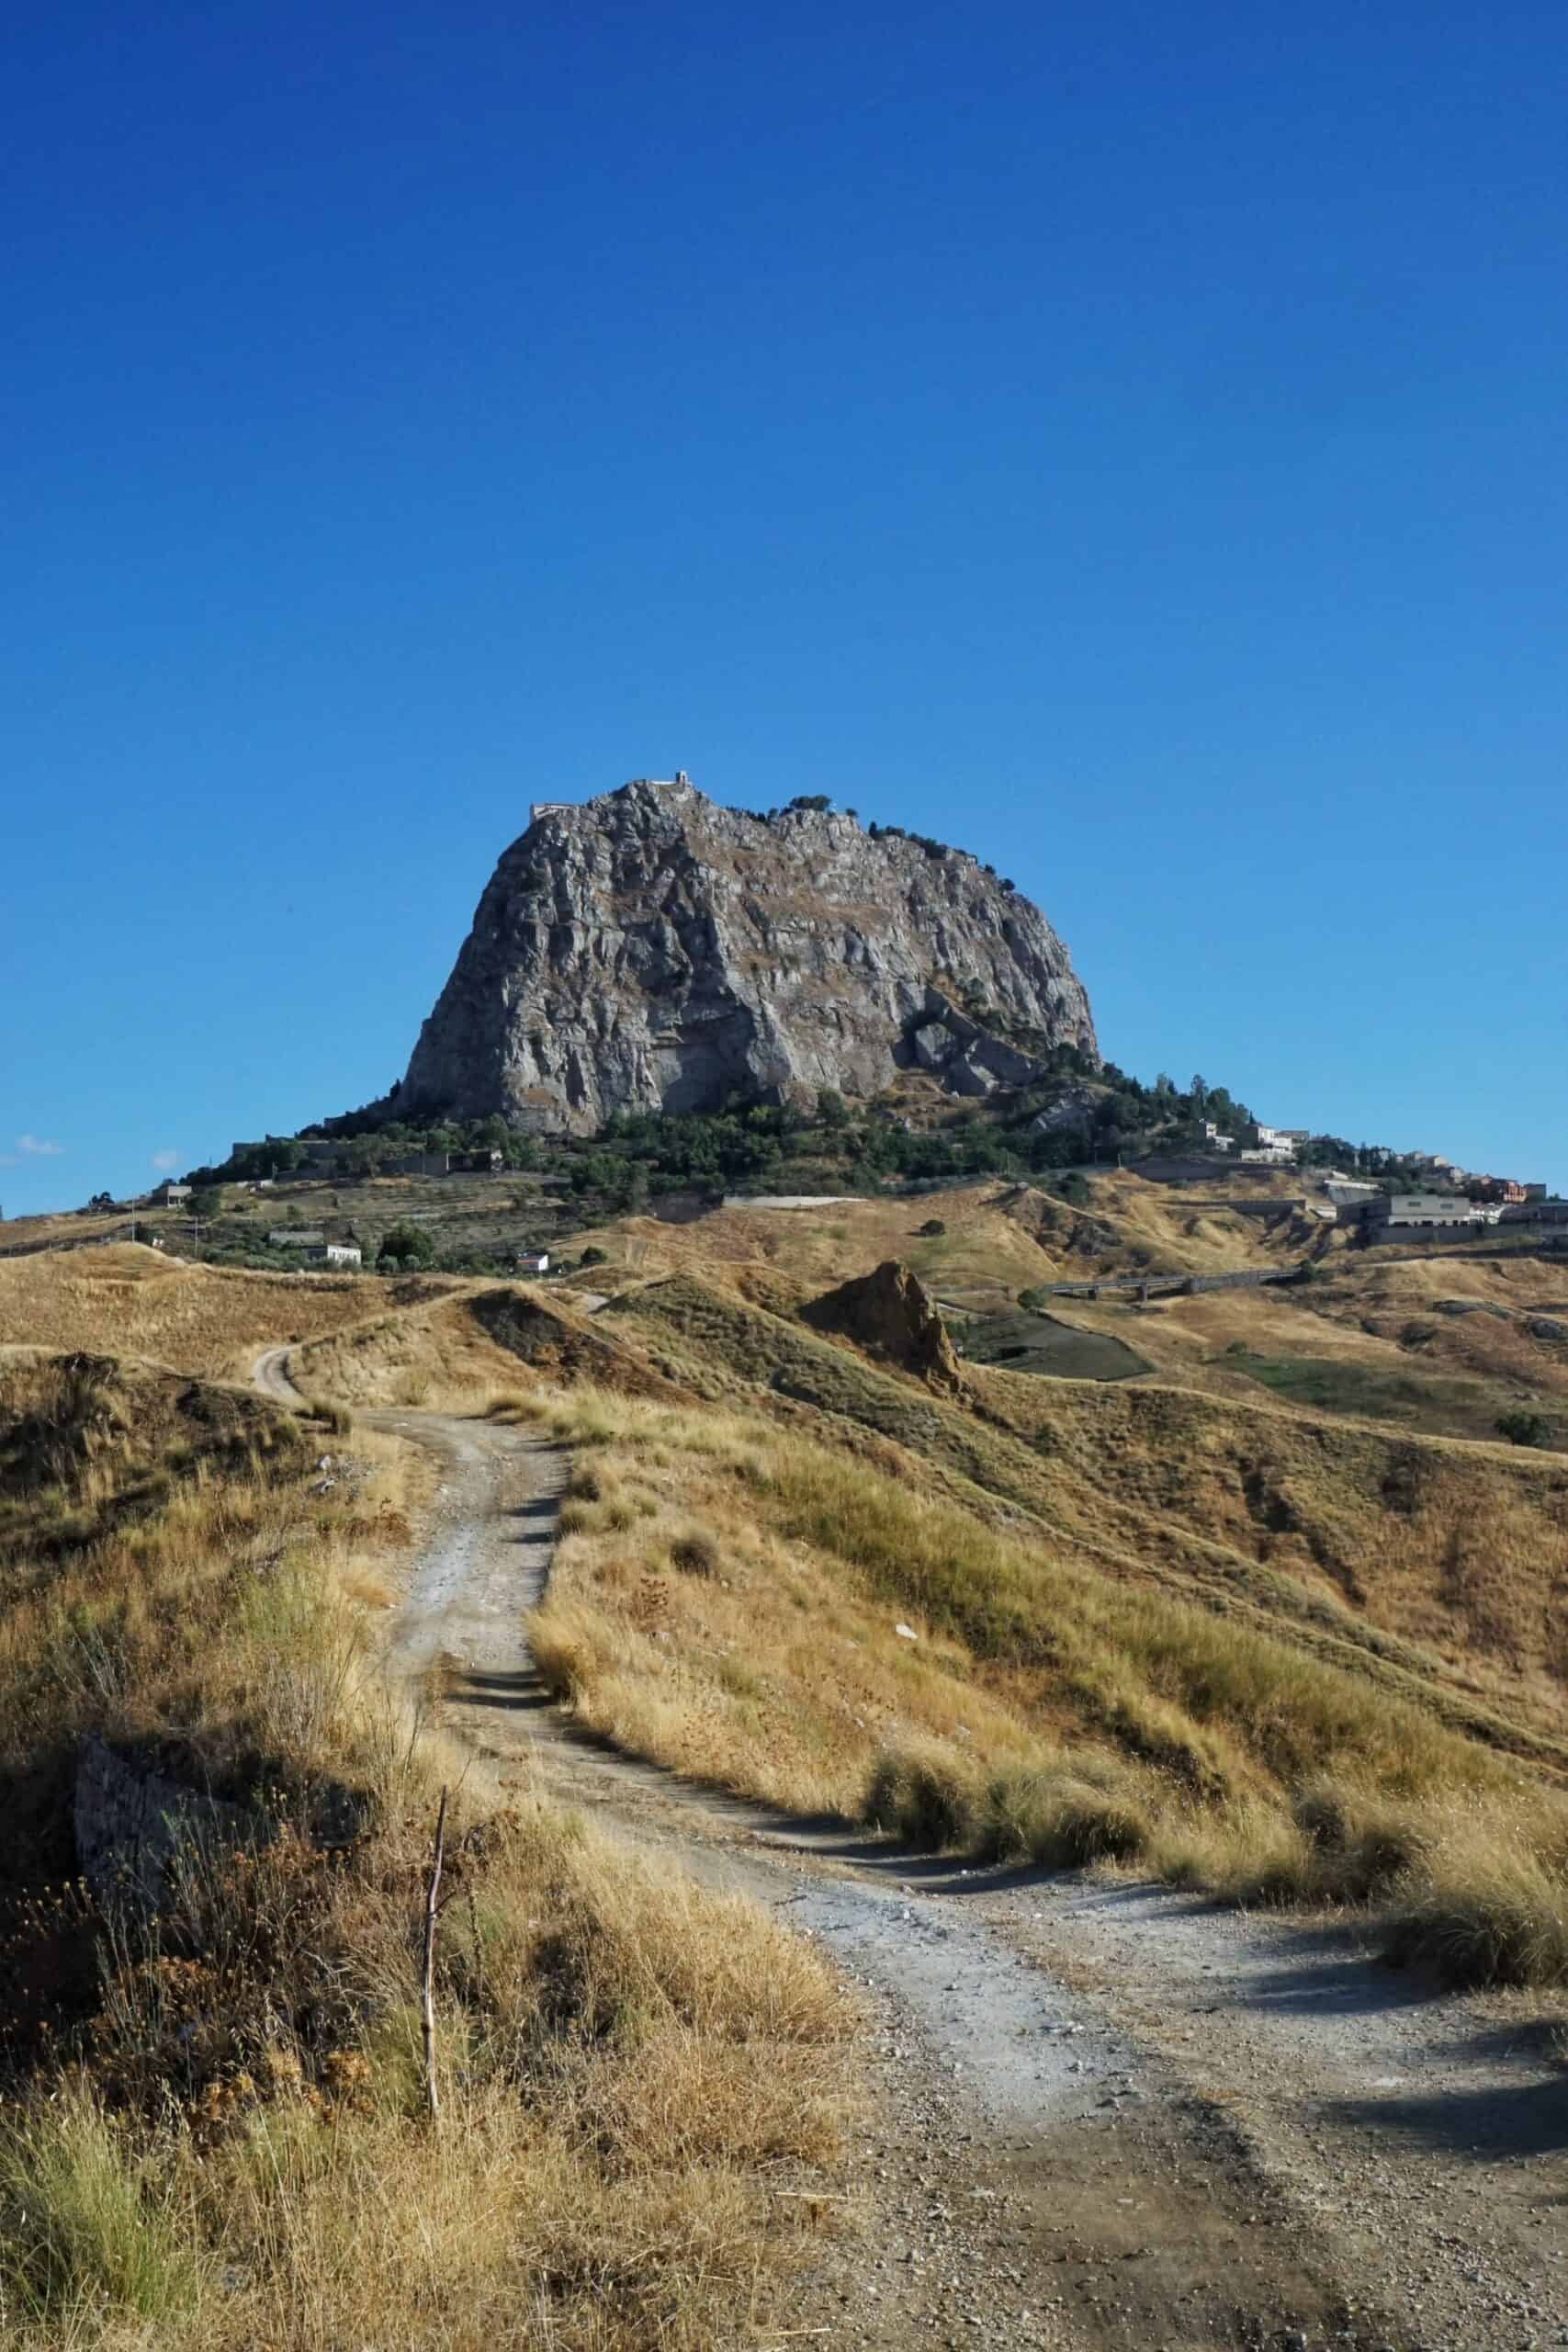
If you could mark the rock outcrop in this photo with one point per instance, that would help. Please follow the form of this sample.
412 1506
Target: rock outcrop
890 1314
132 1824
651 950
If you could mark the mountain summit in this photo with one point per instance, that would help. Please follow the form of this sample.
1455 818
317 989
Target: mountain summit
650 950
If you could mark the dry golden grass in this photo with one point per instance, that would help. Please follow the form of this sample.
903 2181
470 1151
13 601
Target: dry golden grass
128 1300
1042 1710
792 1647
1408 1308
1150 1623
1431 1565
1001 1239
435 1359
1459 1550
1278 1519
631 2071
766 1671
160 1576
59 1229
459 1354
225 2145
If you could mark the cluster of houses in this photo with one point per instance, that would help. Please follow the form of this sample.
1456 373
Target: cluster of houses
1259 1147
1453 1204
1456 1216
1454 1212
309 1246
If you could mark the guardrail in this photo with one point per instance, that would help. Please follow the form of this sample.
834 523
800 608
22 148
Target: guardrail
1145 1286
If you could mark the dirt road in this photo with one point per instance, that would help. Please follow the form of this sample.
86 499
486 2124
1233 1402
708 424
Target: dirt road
1111 2116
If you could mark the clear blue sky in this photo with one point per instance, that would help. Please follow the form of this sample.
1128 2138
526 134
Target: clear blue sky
1128 441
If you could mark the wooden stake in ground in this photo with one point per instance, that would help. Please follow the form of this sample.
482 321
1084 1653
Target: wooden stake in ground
427 1997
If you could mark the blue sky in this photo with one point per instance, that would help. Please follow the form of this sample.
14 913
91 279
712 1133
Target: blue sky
1126 441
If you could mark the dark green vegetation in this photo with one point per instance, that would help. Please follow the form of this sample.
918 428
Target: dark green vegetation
1044 1344
1096 1114
365 1143
1441 1403
1521 1427
406 1245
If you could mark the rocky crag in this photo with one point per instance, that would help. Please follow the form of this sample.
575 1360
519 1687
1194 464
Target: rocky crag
891 1315
651 950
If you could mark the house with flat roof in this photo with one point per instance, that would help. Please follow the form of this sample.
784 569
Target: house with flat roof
1392 1216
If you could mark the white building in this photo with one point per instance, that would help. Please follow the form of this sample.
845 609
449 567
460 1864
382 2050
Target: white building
1274 1146
1423 1213
315 1248
533 1262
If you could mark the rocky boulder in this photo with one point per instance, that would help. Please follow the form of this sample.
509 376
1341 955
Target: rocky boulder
131 1826
890 1314
651 950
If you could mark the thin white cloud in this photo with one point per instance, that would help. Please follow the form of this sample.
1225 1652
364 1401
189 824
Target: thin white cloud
35 1148
164 1160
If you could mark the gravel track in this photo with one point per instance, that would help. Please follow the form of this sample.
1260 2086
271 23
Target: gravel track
1109 2116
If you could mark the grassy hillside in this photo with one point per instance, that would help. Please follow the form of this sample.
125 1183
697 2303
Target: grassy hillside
1267 1650
993 1239
803 1623
135 1301
1244 1646
212 2128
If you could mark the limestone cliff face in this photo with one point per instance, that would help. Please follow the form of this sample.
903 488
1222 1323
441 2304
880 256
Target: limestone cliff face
649 949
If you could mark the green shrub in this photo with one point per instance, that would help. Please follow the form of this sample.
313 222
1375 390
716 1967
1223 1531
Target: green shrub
1524 1429
404 1245
81 2227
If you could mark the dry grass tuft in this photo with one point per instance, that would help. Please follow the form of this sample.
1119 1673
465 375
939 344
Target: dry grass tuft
1492 1905
336 1418
695 1554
